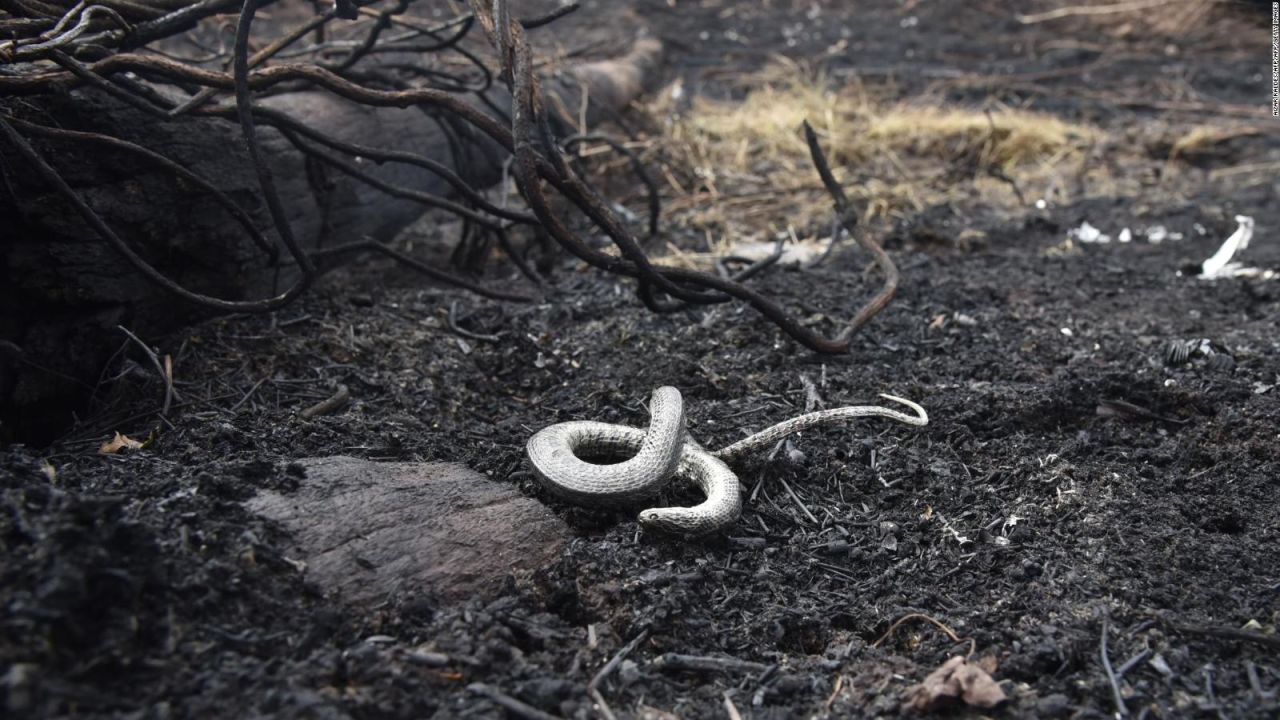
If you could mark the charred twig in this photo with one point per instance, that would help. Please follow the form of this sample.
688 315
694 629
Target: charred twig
510 704
706 663
1255 683
1223 633
382 22
1112 679
165 371
12 51
539 21
244 109
812 400
654 303
334 402
1124 409
796 498
593 687
84 73
405 193
996 171
921 616
1208 690
453 326
418 265
849 219
753 268
245 398
262 56
1133 662
655 199
836 230
161 27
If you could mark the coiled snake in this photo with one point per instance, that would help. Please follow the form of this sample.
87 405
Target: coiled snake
561 456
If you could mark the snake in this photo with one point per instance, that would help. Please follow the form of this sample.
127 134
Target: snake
576 461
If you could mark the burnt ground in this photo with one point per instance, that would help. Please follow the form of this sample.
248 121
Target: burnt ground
1031 517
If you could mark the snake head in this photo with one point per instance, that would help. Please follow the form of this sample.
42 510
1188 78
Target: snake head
679 521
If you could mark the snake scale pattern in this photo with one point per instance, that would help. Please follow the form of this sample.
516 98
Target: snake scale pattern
572 460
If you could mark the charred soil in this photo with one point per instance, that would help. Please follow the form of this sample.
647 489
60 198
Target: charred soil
1099 477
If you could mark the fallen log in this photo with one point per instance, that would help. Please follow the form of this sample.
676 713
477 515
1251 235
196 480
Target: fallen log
65 290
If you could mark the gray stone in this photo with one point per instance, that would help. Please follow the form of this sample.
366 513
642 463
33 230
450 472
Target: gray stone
1052 706
368 530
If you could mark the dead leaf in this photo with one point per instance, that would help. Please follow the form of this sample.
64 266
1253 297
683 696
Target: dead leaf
118 443
957 679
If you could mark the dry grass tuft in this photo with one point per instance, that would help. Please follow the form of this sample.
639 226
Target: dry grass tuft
741 169
1004 138
1203 137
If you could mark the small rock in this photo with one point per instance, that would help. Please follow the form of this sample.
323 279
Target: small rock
369 530
1160 665
791 685
1052 706
427 658
836 547
547 693
628 672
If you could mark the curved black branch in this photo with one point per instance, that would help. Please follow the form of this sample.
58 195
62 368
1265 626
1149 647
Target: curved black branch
637 166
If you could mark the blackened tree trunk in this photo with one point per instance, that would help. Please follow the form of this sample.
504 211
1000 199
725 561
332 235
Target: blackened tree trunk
63 289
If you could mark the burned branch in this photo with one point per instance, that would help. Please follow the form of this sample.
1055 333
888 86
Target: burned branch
304 98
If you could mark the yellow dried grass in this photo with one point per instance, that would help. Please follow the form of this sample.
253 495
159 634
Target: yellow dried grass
750 159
